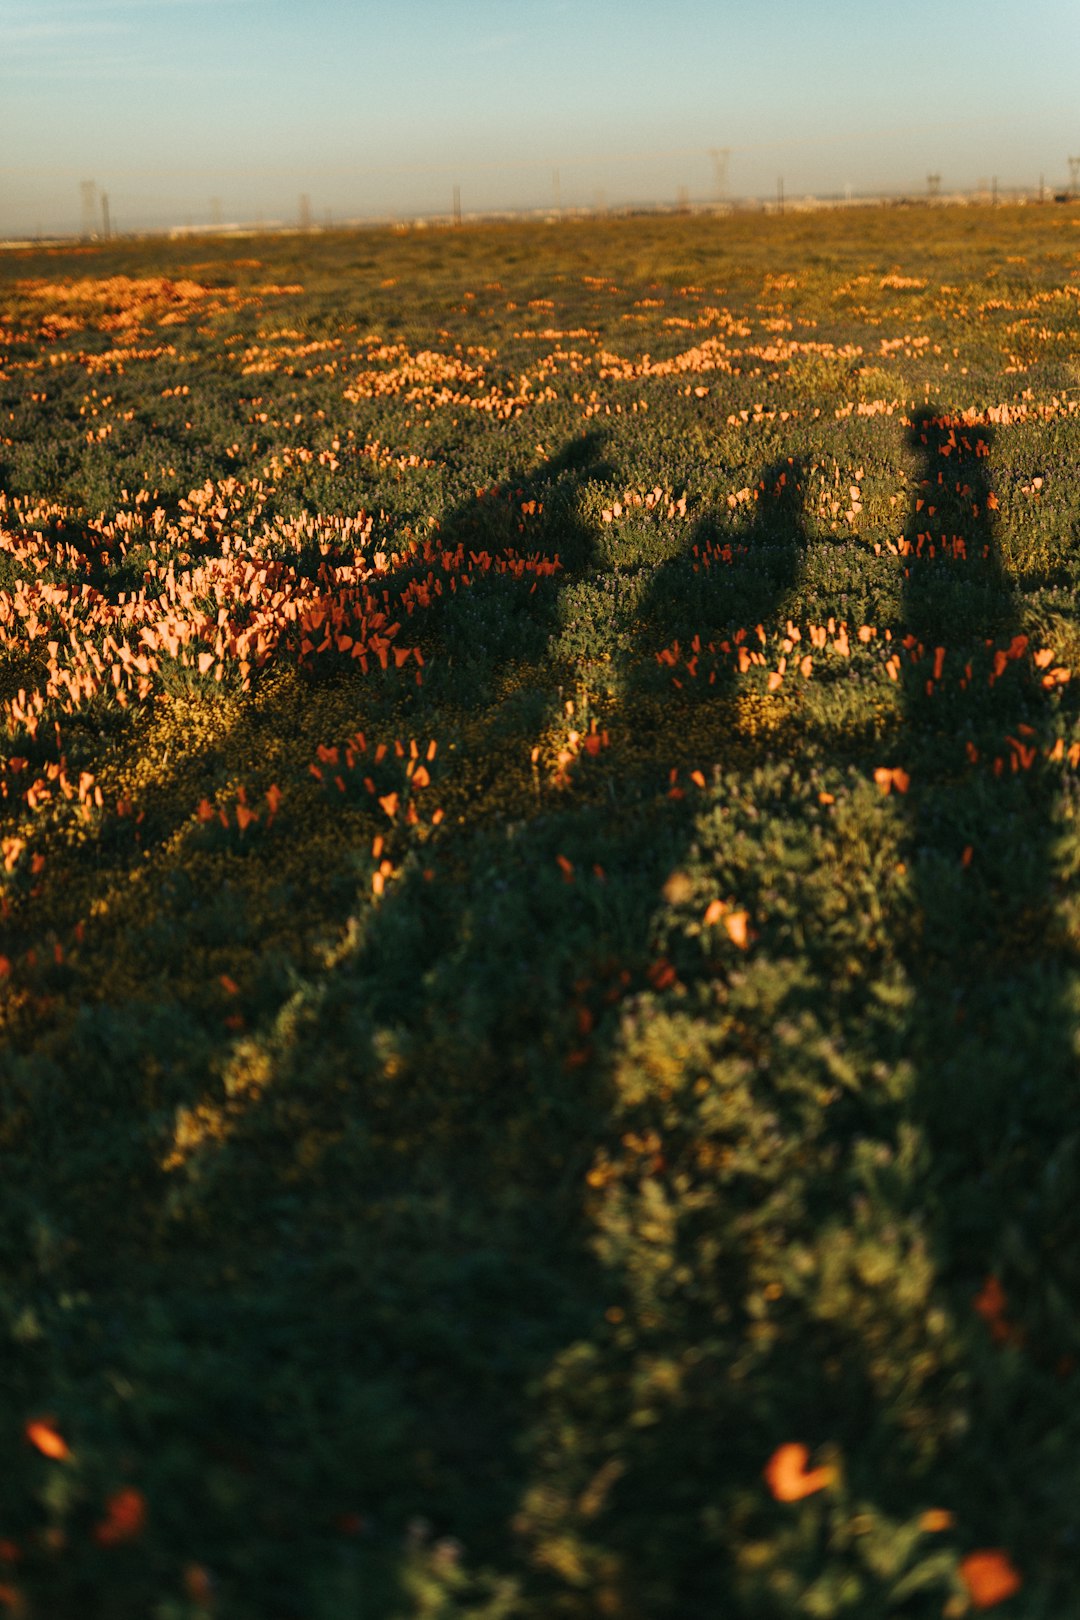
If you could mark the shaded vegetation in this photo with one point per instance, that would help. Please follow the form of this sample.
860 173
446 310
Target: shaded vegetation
537 906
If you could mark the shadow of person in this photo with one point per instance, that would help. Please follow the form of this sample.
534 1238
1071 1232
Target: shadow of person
991 1036
494 623
430 1112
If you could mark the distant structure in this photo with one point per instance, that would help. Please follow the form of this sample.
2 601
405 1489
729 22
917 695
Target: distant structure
720 156
711 196
88 197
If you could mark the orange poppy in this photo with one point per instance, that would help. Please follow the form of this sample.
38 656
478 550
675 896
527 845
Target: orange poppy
43 1435
125 1517
990 1577
788 1477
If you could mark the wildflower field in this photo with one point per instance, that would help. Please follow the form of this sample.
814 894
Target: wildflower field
539 922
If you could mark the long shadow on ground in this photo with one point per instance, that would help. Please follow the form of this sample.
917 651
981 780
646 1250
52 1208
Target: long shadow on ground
993 1031
392 1246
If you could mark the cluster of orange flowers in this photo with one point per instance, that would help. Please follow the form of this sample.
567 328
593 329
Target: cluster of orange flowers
988 1574
123 303
222 596
738 653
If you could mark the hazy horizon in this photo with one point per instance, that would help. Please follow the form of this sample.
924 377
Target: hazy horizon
209 111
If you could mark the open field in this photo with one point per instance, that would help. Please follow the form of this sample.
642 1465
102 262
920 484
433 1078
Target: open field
539 916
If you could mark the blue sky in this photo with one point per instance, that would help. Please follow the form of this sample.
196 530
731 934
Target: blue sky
382 109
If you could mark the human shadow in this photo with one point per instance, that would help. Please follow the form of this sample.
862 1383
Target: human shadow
230 1335
418 1150
991 1033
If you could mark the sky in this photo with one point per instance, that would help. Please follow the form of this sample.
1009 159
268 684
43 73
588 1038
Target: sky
196 111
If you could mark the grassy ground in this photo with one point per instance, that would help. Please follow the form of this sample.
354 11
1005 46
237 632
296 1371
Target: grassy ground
540 923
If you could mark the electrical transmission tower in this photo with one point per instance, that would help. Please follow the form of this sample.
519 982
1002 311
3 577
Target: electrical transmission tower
88 196
720 156
1074 175
933 185
305 211
106 230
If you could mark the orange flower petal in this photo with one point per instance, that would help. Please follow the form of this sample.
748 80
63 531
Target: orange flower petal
788 1478
990 1577
990 1303
41 1434
125 1517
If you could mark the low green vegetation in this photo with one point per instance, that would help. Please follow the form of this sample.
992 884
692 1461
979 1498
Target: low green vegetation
539 922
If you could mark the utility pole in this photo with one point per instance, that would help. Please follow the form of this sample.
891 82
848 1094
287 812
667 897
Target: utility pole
1041 189
556 190
993 192
105 232
305 211
457 205
1074 175
780 193
933 186
88 196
